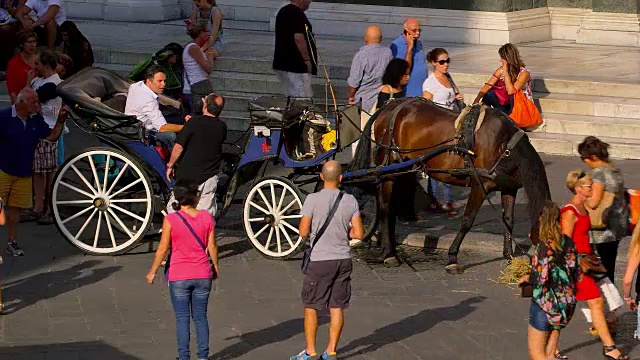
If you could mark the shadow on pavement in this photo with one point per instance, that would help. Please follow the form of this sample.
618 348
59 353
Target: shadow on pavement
23 293
234 248
256 339
410 326
94 350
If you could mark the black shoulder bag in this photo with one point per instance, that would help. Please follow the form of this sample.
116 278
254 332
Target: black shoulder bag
306 257
200 242
458 105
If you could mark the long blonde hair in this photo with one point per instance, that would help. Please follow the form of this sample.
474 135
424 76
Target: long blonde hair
550 231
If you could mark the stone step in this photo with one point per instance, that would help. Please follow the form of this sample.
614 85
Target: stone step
337 71
269 84
590 125
564 144
557 86
570 104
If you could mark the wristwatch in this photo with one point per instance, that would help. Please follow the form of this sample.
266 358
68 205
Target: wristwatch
169 166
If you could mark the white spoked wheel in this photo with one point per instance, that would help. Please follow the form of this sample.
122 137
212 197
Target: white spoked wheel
271 218
102 201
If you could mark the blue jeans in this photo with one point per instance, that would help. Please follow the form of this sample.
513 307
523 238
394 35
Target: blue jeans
538 318
434 188
190 299
491 99
168 138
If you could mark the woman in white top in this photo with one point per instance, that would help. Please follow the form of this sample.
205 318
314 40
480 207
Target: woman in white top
439 89
197 64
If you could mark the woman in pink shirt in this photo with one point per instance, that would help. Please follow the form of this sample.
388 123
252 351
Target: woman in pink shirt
190 235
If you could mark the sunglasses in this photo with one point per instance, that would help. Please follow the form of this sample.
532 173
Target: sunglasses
442 62
581 175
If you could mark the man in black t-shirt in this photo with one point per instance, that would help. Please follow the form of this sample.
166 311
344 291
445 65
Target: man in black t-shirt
295 55
199 146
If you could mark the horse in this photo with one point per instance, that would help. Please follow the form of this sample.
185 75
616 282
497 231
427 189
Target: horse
418 125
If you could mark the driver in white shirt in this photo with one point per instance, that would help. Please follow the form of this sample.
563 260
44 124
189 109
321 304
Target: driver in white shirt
50 15
142 102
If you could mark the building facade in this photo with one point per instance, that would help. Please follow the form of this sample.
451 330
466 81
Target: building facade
609 22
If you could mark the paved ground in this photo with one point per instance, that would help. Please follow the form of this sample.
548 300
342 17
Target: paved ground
63 305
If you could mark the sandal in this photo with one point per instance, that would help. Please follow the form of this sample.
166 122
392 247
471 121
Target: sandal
560 356
608 349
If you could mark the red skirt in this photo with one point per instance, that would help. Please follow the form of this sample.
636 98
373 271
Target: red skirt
587 289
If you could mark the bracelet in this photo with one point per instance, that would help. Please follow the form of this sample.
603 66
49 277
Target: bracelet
169 166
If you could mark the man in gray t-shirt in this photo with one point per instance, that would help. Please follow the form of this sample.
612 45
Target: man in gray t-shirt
327 280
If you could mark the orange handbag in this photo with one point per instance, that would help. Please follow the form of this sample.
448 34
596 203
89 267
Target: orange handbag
525 113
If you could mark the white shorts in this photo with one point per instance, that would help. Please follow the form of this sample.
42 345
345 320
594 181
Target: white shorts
207 197
295 84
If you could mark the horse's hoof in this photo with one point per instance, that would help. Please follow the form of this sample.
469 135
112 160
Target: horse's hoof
454 269
392 261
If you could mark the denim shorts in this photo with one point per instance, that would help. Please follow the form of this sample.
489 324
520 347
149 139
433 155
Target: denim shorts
538 318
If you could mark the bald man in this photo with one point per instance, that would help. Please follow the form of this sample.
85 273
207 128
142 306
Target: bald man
327 279
408 46
367 68
21 128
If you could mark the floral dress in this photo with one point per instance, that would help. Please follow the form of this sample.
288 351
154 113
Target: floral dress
554 276
526 89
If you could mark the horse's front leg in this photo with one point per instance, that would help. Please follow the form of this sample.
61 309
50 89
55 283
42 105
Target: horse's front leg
387 218
508 199
476 198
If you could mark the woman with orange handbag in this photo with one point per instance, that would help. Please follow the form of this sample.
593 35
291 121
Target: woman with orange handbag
510 77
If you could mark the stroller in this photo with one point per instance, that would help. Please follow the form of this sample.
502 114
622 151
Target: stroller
169 58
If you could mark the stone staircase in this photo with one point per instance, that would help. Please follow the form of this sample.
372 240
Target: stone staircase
573 106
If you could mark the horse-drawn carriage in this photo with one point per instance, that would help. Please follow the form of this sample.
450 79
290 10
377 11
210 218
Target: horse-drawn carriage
106 199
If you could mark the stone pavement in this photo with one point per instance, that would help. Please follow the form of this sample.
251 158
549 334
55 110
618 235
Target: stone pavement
64 305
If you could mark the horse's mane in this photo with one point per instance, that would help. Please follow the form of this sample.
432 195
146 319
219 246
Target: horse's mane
533 177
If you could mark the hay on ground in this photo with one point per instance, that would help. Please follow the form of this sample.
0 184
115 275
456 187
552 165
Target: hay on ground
514 270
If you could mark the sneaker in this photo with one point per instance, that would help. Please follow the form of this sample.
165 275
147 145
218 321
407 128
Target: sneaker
45 219
29 216
304 356
13 249
332 356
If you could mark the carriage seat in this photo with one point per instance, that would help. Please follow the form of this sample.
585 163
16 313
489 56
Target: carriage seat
276 112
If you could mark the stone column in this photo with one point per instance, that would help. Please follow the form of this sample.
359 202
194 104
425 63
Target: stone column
612 22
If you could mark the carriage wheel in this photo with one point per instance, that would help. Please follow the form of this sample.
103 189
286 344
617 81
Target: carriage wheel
102 201
271 218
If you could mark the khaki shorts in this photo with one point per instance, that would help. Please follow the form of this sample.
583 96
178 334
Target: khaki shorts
16 191
207 197
327 284
295 84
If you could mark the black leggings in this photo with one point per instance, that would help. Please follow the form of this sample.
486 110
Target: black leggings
608 253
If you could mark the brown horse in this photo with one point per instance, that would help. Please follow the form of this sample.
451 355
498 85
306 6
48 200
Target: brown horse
420 126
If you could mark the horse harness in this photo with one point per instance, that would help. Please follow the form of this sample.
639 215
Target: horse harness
469 121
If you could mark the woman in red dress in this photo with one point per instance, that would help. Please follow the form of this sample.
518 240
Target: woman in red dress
575 223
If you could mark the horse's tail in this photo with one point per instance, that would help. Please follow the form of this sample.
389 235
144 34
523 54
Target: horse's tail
533 177
362 157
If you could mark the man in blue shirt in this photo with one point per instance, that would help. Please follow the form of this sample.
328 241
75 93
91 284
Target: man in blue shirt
21 127
408 47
